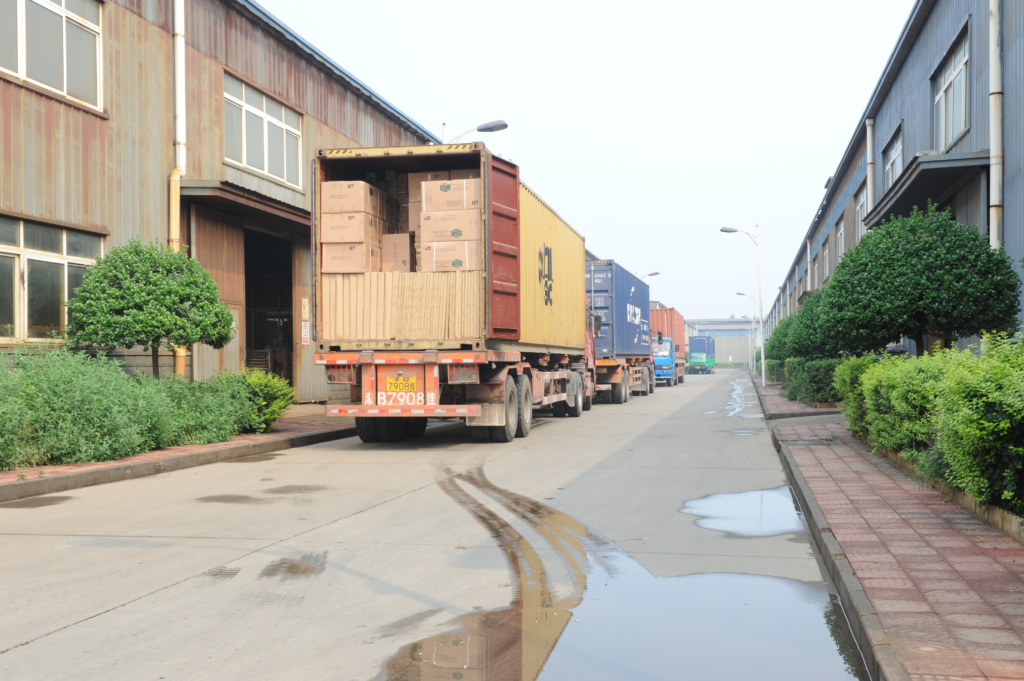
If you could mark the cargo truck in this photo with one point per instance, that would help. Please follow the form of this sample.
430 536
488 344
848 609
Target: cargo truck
504 333
702 355
668 342
623 339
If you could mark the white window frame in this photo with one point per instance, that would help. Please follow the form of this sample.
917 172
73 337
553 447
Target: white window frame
66 16
893 157
840 239
246 107
21 257
824 260
814 278
943 86
862 212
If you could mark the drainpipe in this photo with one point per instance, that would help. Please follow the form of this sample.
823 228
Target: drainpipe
995 125
808 282
870 123
174 217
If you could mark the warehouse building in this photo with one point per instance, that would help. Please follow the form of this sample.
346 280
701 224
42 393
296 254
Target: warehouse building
735 338
945 123
189 122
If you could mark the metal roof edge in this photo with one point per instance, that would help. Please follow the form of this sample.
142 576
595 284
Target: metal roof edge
911 29
301 42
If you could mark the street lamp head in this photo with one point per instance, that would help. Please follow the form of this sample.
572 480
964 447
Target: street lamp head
653 274
493 126
728 230
741 294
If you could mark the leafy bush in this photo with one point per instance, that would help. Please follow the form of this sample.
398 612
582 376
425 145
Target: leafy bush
846 381
979 423
776 370
60 406
816 381
805 338
777 347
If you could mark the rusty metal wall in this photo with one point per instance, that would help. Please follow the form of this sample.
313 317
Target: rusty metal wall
63 163
220 248
552 303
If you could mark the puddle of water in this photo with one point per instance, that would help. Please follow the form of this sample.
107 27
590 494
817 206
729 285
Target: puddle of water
233 499
35 502
222 573
309 565
621 622
710 412
737 401
295 489
254 458
760 513
751 416
744 433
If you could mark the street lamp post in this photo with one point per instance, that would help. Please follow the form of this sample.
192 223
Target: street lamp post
493 126
750 353
755 237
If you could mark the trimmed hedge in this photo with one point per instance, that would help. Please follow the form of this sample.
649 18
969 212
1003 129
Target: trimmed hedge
816 381
846 381
58 406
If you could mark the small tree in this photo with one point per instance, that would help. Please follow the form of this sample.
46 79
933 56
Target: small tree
777 347
805 338
147 295
922 274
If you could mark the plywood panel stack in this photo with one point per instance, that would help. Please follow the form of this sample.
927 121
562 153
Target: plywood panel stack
402 306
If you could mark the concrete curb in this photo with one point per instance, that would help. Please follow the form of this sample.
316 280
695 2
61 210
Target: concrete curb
20 489
768 416
864 623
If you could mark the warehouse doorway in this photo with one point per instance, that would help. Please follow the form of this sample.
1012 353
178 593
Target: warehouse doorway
268 304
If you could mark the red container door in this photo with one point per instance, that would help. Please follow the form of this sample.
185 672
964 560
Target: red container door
503 249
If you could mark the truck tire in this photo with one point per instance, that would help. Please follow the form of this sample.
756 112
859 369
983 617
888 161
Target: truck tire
481 434
588 401
645 379
653 383
391 429
507 432
558 409
682 379
574 407
415 426
524 400
620 390
366 428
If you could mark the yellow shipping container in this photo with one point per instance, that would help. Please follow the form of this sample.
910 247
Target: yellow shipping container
552 280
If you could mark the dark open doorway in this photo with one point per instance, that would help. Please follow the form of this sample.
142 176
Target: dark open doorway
268 304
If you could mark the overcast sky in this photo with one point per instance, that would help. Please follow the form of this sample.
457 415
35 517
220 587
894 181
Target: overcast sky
647 126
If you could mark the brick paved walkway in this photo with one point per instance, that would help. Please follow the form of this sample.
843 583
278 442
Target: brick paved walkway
776 406
947 587
285 428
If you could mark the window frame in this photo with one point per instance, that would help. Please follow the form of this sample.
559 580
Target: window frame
942 87
840 238
267 120
892 154
824 261
22 35
861 211
22 255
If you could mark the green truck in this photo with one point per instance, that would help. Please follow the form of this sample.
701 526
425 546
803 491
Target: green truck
702 355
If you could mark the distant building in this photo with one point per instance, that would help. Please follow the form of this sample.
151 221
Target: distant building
89 143
734 338
926 135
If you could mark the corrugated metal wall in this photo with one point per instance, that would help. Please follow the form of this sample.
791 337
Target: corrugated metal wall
551 258
220 248
1013 130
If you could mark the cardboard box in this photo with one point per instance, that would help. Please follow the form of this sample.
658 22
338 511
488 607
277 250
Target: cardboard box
415 179
397 253
349 197
452 195
451 225
349 258
414 216
473 174
350 228
451 256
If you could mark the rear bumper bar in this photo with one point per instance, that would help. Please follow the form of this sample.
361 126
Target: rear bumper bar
436 412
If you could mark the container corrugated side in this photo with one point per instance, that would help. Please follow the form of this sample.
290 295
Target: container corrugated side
551 260
669 322
623 301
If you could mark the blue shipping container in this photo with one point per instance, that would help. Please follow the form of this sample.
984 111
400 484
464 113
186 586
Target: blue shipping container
705 344
624 303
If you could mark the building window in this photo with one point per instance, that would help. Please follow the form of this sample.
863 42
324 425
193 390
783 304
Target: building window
40 268
824 260
55 45
840 239
950 89
260 132
893 160
862 212
814 278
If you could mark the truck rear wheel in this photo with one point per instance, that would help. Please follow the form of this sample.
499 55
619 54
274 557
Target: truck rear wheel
653 381
524 399
415 426
507 432
588 401
481 434
620 390
366 429
574 405
391 429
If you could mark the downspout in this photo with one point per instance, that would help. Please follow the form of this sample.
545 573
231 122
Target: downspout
808 282
870 123
995 125
174 218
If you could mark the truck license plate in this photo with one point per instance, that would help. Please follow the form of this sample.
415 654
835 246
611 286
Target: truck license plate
400 384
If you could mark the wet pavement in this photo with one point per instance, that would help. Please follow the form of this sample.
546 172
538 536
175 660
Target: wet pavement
652 540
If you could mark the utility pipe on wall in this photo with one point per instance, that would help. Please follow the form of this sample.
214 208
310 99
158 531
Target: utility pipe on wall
870 123
995 125
174 214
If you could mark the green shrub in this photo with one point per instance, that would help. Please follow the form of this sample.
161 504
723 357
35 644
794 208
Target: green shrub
846 381
776 370
204 412
269 396
816 381
793 377
979 423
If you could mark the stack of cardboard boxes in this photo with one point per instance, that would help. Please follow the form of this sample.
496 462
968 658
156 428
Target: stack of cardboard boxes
354 231
449 225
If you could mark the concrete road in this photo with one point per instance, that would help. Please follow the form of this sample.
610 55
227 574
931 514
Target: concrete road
652 540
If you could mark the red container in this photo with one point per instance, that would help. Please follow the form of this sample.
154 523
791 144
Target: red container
671 325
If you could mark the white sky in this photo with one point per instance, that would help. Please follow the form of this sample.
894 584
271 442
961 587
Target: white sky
647 126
